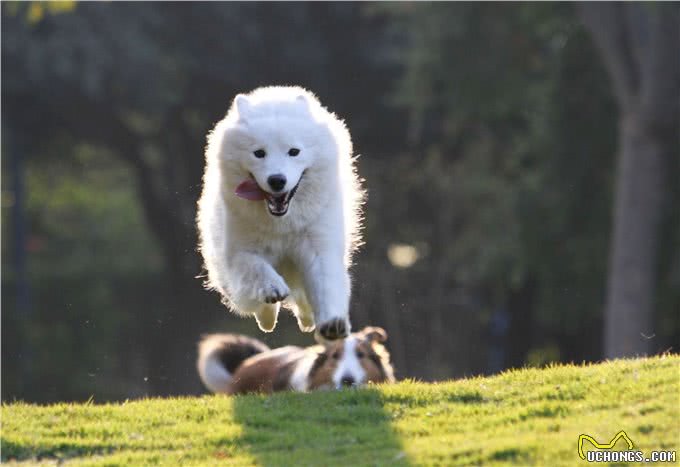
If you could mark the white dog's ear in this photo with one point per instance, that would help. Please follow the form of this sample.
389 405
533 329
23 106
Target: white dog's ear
243 106
303 101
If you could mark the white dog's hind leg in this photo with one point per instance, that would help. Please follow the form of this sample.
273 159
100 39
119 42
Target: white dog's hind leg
328 287
303 311
266 317
265 314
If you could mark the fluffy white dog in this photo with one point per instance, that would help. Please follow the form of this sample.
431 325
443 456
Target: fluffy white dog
280 213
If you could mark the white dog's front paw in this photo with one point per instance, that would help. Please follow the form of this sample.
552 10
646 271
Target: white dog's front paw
272 291
334 328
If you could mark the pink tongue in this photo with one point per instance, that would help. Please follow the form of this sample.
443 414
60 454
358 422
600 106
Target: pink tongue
248 189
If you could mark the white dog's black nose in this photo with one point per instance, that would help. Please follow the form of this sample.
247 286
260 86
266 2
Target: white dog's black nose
277 182
347 380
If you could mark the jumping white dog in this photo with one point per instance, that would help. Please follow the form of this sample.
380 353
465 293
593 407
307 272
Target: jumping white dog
280 212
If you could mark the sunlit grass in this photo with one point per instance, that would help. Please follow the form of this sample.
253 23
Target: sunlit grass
522 417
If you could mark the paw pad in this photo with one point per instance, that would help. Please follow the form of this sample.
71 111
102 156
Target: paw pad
336 328
274 295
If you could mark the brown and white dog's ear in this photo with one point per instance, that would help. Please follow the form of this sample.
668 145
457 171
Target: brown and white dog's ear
374 334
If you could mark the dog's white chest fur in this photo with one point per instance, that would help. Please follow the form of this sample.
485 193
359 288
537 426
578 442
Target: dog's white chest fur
279 216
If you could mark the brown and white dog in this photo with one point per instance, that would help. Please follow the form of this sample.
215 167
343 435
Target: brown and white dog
234 364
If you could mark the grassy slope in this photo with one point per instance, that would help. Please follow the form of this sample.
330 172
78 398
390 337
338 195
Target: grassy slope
529 416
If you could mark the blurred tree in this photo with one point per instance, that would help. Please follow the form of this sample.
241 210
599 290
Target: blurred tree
517 107
482 114
639 44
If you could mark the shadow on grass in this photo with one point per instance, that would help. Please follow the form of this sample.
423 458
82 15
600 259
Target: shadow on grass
349 427
61 452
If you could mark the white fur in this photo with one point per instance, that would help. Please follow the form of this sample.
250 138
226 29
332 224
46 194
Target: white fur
349 365
251 255
299 379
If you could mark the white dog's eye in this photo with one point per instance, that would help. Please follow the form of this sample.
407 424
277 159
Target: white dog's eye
293 151
260 153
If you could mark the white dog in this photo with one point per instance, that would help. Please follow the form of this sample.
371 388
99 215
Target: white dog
280 213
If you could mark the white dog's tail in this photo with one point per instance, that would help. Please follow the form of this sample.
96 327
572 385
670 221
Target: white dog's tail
219 355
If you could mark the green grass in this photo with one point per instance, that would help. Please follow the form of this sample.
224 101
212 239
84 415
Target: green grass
521 417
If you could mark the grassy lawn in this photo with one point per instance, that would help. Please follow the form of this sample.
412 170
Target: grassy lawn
521 417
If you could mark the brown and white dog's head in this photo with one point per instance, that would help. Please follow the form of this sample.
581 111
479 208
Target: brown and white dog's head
354 361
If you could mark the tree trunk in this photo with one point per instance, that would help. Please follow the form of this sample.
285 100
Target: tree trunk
640 190
520 336
639 47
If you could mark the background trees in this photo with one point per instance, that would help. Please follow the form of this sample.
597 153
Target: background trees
639 46
488 137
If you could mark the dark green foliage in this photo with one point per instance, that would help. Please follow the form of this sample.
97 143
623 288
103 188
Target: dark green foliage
513 106
487 134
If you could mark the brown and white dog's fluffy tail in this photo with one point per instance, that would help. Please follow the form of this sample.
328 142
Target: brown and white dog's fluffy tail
219 355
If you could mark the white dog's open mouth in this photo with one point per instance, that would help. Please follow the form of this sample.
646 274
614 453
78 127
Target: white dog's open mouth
278 204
